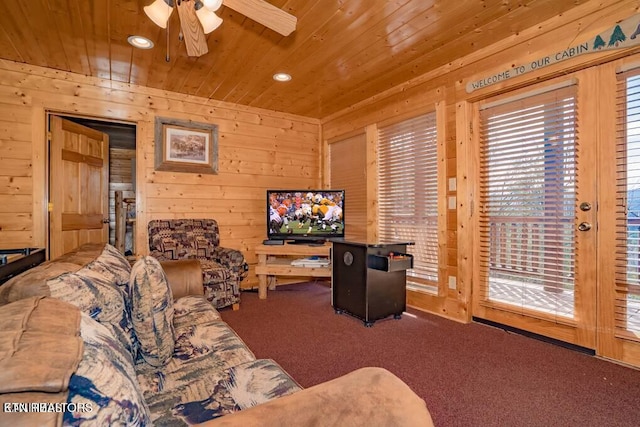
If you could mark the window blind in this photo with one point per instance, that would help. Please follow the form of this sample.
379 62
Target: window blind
527 204
627 302
408 193
348 172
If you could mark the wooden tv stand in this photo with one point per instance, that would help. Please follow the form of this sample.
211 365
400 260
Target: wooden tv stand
275 260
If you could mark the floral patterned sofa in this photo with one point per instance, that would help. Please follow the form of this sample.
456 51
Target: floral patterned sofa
222 268
88 340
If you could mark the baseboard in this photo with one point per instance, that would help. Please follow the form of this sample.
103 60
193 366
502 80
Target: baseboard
580 349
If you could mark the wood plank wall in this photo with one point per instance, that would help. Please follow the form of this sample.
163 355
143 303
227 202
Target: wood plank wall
258 149
448 84
16 174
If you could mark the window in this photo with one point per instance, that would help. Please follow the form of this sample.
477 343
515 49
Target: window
348 173
627 302
408 194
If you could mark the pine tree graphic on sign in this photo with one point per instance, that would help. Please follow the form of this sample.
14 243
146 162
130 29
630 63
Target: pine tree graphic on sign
617 36
635 33
598 43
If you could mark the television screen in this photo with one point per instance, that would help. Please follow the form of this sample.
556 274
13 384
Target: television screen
305 214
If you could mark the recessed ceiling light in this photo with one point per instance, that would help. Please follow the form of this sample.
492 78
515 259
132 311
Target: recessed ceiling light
281 77
140 42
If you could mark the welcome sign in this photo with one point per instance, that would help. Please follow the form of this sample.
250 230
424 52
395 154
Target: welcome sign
623 35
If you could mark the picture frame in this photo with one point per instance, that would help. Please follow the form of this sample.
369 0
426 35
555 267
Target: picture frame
185 146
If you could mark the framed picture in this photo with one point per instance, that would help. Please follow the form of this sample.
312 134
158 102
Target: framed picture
186 146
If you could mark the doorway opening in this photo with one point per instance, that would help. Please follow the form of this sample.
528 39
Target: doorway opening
120 214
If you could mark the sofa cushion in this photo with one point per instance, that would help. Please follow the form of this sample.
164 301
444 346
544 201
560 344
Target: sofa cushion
113 265
33 282
152 311
96 295
33 333
366 397
40 349
192 310
93 277
200 348
82 255
57 354
220 392
104 386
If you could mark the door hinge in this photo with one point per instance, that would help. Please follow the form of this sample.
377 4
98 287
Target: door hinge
49 136
50 207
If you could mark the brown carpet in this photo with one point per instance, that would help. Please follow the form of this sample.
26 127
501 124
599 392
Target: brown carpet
469 375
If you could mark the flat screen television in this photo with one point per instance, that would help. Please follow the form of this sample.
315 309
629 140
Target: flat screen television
305 215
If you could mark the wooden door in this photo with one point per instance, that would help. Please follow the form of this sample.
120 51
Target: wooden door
619 212
537 211
78 186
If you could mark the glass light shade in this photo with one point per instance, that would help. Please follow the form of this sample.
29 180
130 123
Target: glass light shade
209 20
212 5
159 12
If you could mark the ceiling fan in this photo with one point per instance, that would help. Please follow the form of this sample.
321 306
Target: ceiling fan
197 18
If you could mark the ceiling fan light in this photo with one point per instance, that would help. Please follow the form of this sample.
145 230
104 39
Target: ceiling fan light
159 12
212 5
209 20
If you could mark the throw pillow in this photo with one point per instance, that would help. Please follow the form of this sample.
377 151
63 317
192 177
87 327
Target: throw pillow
152 311
113 265
104 390
98 296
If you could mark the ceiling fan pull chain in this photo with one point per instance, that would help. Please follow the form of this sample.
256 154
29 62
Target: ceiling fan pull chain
167 58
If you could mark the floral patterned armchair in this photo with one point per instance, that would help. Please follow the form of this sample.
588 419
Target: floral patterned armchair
222 268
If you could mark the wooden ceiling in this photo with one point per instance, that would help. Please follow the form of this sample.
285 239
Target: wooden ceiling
342 52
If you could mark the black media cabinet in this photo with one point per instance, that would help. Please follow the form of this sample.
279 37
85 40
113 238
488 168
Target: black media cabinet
369 279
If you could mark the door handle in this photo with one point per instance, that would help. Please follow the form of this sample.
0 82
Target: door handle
584 226
105 220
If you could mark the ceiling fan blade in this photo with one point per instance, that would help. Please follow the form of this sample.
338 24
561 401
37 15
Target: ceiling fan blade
266 14
194 39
